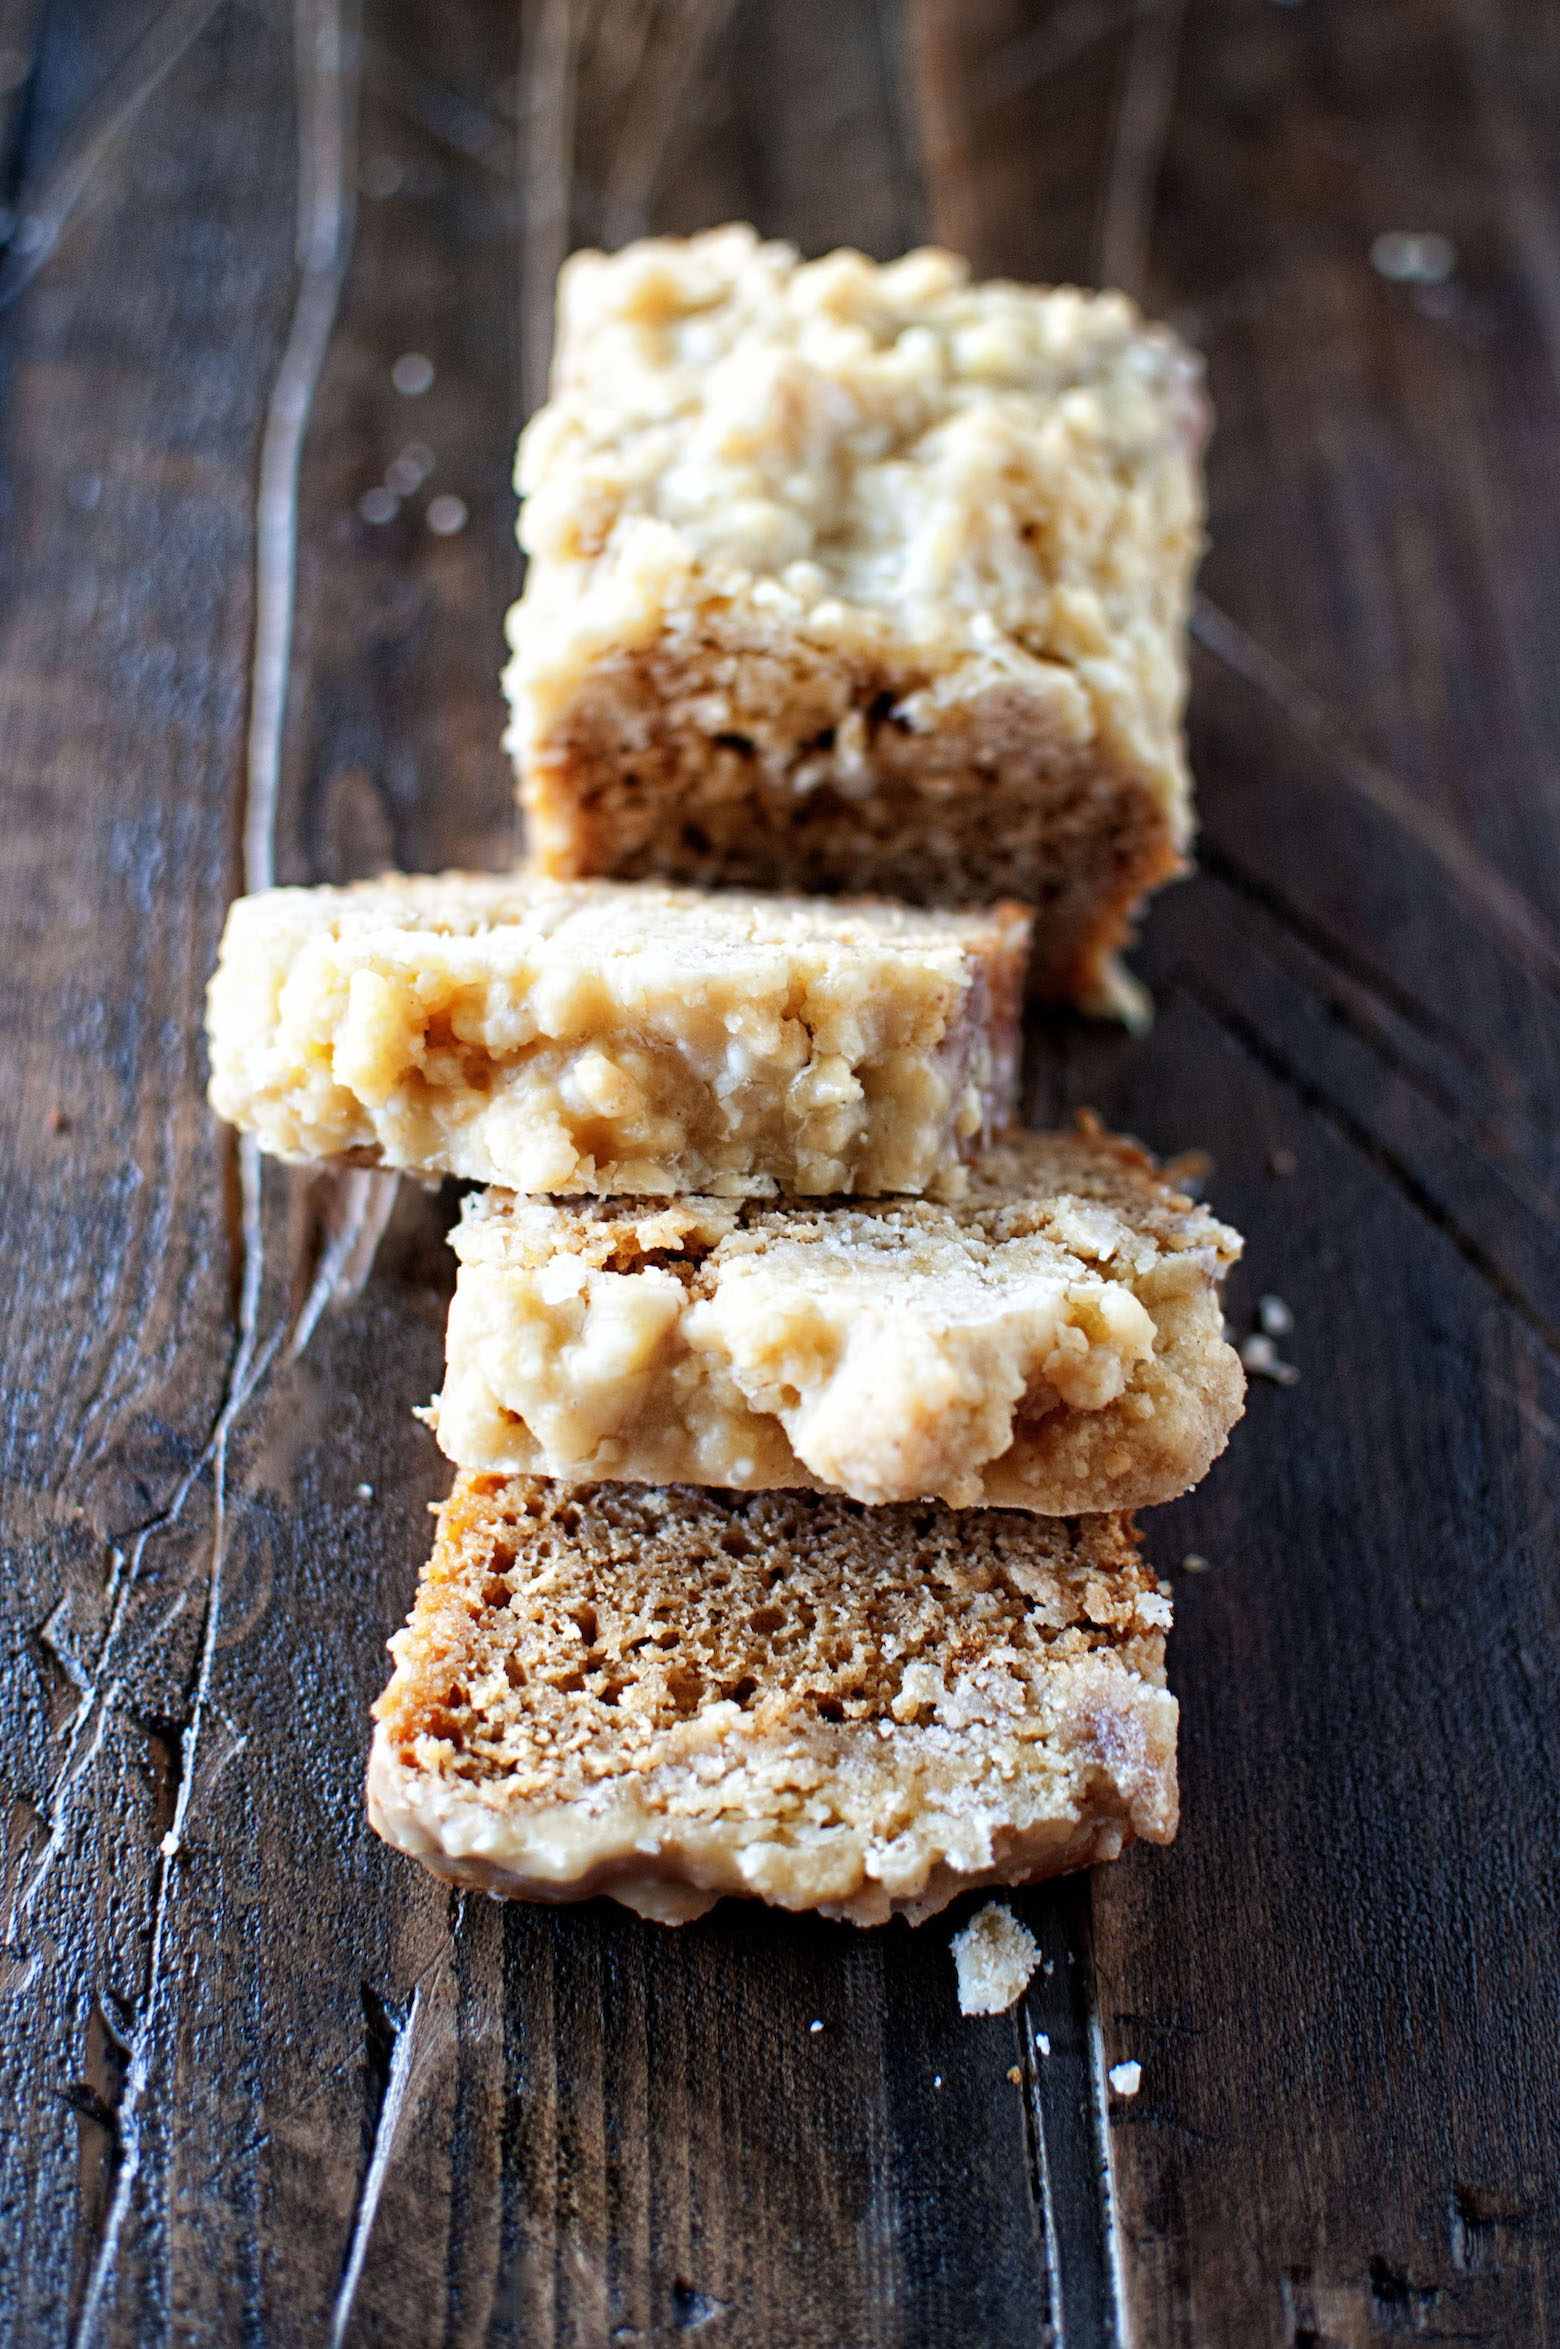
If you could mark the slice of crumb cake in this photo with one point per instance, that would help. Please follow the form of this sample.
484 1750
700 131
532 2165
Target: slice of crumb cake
671 1694
1053 1340
600 1036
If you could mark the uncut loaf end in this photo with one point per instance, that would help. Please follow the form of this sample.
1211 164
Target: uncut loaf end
849 576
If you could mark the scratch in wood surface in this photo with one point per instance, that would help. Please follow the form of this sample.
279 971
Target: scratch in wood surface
1515 923
613 49
113 1666
142 2045
1067 2126
1040 2173
385 2126
328 82
641 61
1338 995
325 222
891 40
549 62
422 1980
1270 1056
43 214
1539 1421
1256 891
1137 147
443 113
363 1202
1109 2207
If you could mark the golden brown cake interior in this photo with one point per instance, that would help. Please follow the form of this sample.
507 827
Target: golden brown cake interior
670 1694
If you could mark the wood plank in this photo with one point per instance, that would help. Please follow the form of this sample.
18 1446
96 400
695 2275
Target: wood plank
122 731
1320 1985
1345 2112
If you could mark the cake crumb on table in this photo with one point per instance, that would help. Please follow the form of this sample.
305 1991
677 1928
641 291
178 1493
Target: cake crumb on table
1126 2078
1261 1357
995 1956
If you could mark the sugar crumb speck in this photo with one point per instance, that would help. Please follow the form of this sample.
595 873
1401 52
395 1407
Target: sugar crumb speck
1413 256
1261 1358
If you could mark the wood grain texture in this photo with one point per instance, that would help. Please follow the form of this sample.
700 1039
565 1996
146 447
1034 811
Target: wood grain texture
260 2080
1347 2116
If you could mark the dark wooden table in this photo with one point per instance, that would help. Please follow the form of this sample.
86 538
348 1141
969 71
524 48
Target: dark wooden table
263 2082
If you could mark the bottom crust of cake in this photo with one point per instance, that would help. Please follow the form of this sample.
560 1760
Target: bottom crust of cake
673 1876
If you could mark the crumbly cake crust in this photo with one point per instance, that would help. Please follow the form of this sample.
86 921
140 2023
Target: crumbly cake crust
626 1037
862 577
667 1695
1051 1341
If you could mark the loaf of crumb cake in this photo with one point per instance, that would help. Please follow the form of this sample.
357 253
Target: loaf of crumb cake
671 1694
846 576
623 1037
1051 1341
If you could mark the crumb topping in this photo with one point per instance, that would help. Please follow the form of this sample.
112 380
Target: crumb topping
893 1349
